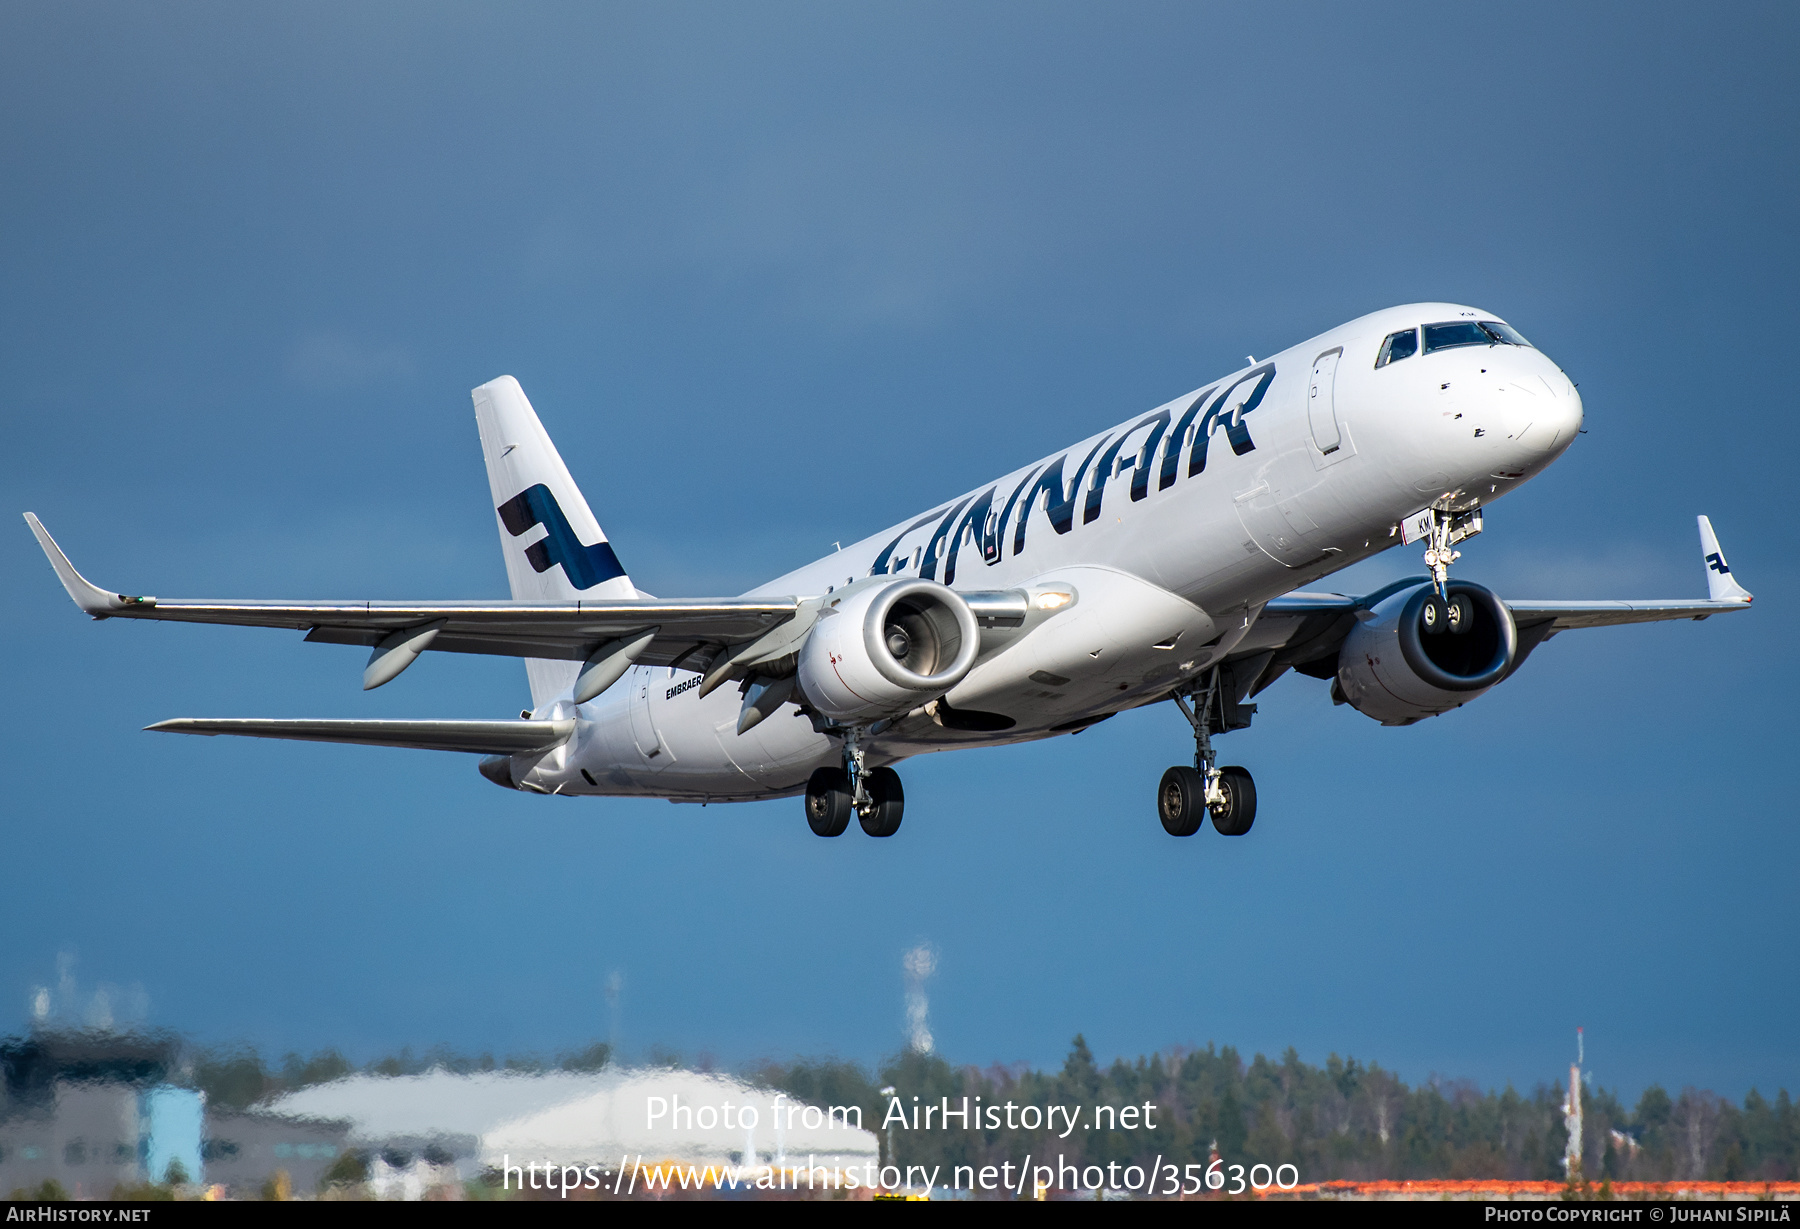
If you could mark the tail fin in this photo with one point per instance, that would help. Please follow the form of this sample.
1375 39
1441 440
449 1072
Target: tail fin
1721 585
531 487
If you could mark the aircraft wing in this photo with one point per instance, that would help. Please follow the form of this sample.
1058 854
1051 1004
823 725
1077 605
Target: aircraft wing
1296 610
1302 631
689 632
1565 616
482 737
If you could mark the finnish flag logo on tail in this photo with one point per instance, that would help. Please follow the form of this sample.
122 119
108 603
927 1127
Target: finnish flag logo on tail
1721 585
585 566
529 486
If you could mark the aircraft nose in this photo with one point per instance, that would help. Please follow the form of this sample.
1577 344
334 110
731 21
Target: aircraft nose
1555 419
1522 409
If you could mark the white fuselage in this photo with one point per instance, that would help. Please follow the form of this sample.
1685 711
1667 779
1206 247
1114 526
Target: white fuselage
1173 528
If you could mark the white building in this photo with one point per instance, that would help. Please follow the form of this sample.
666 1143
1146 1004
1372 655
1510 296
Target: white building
440 1126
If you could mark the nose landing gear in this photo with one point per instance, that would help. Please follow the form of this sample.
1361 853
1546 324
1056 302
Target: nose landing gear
1443 530
1456 616
1188 796
873 795
1444 611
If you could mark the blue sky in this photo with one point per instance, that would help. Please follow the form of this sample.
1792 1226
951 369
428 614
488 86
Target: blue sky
777 275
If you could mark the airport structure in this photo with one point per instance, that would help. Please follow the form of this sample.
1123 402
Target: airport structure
439 1128
101 1113
1572 1111
97 1112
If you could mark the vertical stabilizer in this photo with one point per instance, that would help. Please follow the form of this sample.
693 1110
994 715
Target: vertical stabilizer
554 548
1721 585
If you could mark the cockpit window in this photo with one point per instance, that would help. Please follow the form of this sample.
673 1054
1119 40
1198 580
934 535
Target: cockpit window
1469 333
1505 332
1459 333
1398 346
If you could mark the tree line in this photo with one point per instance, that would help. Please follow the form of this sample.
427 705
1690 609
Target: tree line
1340 1120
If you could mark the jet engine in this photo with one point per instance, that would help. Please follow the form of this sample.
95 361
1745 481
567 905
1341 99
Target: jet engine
1416 655
882 650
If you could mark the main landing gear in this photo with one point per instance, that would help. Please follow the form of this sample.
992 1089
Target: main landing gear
1187 796
874 795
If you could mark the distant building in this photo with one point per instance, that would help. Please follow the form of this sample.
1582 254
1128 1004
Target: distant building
96 1111
85 1137
439 1127
245 1150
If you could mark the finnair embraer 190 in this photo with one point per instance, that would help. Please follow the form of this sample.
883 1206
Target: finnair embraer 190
1161 559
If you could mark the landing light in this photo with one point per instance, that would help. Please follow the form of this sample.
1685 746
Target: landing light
1053 600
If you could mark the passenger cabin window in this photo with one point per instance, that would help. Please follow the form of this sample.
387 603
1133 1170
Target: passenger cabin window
1398 346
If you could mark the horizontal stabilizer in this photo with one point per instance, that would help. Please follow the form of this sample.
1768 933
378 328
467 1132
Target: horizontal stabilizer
480 737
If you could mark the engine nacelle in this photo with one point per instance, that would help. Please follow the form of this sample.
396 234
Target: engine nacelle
1392 669
885 649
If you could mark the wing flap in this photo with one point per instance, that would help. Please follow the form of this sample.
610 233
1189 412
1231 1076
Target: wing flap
480 737
669 647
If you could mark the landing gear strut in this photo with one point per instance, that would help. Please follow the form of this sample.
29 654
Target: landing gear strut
1444 611
1187 796
874 795
1443 530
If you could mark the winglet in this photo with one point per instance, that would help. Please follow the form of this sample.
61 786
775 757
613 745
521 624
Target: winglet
1719 583
96 601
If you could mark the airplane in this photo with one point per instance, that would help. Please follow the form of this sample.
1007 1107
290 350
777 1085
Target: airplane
1162 559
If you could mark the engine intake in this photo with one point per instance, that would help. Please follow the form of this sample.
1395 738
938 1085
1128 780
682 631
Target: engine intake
1470 659
888 648
1402 664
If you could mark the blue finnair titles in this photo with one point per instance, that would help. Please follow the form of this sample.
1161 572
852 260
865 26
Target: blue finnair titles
973 521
